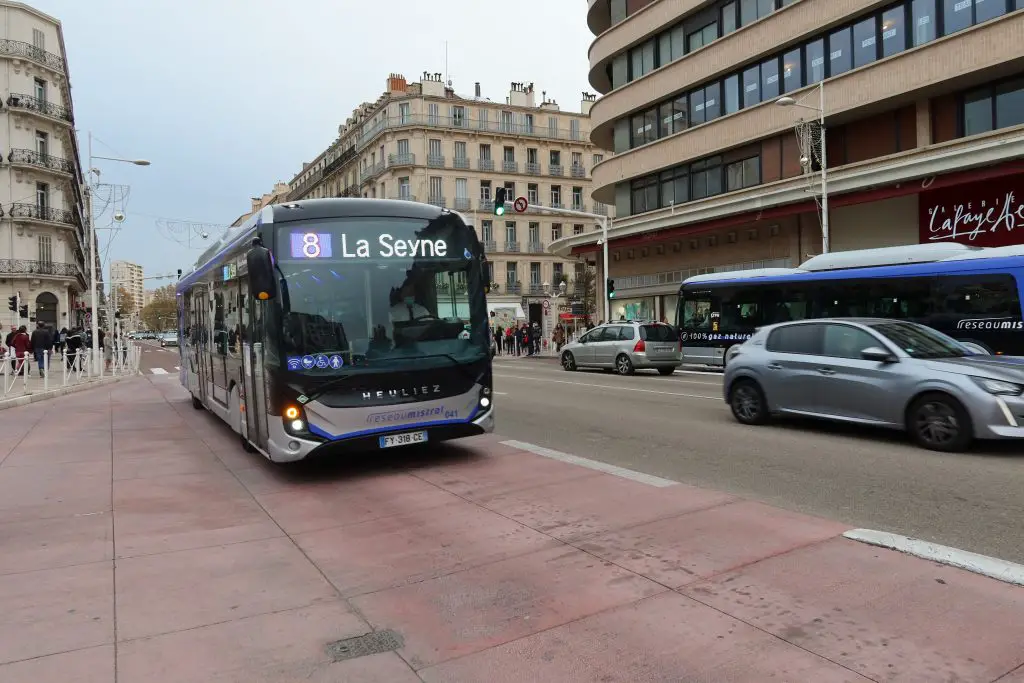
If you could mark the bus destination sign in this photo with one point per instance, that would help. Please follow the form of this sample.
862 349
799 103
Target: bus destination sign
318 245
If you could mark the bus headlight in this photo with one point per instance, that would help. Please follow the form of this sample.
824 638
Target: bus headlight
294 420
485 398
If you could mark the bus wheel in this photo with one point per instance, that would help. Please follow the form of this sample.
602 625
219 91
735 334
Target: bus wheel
246 445
938 422
196 403
568 362
748 404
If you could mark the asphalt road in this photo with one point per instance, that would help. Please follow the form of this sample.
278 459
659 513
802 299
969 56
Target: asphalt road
678 427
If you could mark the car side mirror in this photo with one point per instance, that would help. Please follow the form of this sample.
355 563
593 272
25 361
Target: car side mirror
877 354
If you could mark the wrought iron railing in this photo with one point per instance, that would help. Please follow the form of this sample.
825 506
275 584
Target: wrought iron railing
401 159
30 156
462 204
372 130
19 48
43 213
23 266
20 101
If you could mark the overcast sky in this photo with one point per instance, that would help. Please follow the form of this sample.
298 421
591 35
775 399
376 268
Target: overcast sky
225 97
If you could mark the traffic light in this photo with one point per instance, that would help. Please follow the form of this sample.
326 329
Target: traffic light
24 311
12 303
611 289
500 197
179 273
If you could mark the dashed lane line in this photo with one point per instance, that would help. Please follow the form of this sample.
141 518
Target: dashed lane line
159 371
632 475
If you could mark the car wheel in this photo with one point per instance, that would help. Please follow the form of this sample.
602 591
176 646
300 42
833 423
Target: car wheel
748 404
666 371
939 423
568 362
623 365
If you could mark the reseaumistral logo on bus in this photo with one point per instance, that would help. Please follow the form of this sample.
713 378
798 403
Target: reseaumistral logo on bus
990 324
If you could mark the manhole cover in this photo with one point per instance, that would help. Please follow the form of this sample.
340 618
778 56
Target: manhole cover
367 644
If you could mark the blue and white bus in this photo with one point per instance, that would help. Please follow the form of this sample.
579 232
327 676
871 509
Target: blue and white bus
359 323
972 294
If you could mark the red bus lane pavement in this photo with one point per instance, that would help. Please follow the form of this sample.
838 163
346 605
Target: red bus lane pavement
137 538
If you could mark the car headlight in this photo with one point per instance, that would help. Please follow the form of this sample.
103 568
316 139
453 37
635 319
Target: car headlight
998 387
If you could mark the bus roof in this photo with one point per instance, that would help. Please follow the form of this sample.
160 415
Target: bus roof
886 262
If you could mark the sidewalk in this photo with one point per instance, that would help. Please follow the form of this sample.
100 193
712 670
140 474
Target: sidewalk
473 562
24 390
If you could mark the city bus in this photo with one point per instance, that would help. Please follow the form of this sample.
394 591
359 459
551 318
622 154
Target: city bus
969 293
328 325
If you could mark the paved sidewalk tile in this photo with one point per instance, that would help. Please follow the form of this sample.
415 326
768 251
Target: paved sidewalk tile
56 542
664 638
887 615
48 491
472 610
91 665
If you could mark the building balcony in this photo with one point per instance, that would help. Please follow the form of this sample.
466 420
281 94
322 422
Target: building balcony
371 172
557 205
463 204
510 166
578 206
350 191
600 209
46 214
28 157
512 247
536 289
437 200
435 161
43 269
401 160
578 171
490 246
486 205
513 287
370 133
21 49
485 164
556 169
535 247
460 162
532 168
41 107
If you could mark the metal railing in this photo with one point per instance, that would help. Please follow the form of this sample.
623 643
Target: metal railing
372 130
485 164
437 200
401 159
600 209
532 168
460 162
462 204
43 213
23 376
371 172
535 247
30 103
27 267
34 158
555 169
405 197
510 166
512 247
435 161
490 246
578 171
19 48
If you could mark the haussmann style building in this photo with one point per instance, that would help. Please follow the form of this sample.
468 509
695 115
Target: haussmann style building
923 106
43 219
424 142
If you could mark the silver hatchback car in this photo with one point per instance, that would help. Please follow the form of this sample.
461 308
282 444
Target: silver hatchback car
888 373
625 346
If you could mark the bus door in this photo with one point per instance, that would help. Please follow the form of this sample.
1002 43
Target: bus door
200 340
254 399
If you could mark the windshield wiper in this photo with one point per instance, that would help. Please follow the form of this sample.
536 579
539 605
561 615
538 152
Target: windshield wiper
327 386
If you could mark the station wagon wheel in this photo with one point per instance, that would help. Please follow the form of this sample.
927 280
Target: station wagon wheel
939 423
568 361
623 365
748 403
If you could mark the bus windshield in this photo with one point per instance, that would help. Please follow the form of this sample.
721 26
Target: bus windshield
389 294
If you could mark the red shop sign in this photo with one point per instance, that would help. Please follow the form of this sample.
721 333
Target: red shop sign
987 213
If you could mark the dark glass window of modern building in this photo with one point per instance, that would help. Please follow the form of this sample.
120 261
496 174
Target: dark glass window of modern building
994 106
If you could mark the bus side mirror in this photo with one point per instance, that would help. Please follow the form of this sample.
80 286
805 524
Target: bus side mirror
261 273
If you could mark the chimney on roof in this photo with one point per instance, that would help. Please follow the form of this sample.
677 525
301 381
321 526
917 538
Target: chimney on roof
587 102
476 90
396 83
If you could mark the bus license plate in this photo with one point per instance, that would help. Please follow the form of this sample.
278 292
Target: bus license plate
402 439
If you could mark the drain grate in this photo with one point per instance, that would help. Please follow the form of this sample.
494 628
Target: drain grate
364 645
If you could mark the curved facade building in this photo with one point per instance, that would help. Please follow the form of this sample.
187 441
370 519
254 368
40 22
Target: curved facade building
923 110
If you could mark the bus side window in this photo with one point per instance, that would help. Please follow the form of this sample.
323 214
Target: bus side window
973 296
697 314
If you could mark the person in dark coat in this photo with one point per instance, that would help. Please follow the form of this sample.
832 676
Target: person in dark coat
42 343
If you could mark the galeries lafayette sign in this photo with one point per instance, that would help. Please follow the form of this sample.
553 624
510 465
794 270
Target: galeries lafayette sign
988 213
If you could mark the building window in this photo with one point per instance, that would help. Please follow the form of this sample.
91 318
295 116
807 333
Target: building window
487 230
45 249
531 155
528 123
956 14
403 113
752 86
922 14
510 232
436 192
577 198
534 229
485 190
743 174
40 86
460 150
598 158
994 106
556 231
574 130
555 158
433 115
815 59
556 195
42 143
978 112
706 178
506 122
865 42
894 31
577 229
511 273
459 117
557 274
509 154
641 60
38 39
675 186
577 159
840 52
403 188
644 194
534 273
42 197
485 152
702 36
533 194
645 128
462 188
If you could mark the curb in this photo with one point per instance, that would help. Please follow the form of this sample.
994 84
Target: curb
993 568
62 391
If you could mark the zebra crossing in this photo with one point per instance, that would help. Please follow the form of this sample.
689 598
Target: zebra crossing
162 371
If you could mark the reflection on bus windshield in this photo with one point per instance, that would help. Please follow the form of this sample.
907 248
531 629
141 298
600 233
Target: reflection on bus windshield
380 310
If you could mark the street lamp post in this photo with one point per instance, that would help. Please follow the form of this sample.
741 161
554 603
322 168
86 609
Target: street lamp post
94 324
790 102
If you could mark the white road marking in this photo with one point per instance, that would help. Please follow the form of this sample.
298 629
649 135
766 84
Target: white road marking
159 371
714 377
992 567
706 373
640 477
606 386
501 393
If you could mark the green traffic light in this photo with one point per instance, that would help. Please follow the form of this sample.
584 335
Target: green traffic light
499 210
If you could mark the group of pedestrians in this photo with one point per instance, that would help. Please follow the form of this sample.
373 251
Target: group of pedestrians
524 339
21 348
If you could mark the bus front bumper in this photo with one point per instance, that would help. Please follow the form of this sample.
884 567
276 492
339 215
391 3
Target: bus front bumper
284 447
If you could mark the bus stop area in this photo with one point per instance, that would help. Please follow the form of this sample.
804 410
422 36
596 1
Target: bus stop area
140 543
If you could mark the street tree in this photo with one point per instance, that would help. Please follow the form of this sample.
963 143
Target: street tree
162 310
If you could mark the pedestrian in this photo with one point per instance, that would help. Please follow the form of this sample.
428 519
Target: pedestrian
62 340
42 344
499 339
21 343
74 342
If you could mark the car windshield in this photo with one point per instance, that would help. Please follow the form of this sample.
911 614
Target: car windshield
918 341
383 293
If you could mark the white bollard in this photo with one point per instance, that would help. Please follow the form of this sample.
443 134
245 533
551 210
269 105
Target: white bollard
45 369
